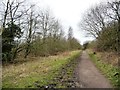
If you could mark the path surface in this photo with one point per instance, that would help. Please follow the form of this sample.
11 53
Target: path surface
88 75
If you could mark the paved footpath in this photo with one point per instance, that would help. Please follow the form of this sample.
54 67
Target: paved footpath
89 75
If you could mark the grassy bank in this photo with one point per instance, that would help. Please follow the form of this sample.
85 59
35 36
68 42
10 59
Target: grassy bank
39 72
111 72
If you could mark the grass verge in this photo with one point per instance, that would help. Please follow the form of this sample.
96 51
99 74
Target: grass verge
67 77
111 72
41 72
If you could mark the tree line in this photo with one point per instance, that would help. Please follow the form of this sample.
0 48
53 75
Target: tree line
103 23
29 30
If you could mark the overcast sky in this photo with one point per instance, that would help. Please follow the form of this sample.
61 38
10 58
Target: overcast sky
69 12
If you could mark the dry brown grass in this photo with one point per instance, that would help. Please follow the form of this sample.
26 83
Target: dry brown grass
109 57
33 69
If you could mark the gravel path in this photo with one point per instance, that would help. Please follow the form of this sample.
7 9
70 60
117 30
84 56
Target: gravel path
88 75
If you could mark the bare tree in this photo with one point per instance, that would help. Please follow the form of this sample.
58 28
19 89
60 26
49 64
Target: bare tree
103 22
70 33
56 30
94 20
46 23
114 14
5 15
113 9
10 26
31 29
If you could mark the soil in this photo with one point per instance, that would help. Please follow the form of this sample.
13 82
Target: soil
88 75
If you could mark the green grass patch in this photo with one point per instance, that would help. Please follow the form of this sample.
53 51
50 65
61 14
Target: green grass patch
66 77
107 69
38 72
